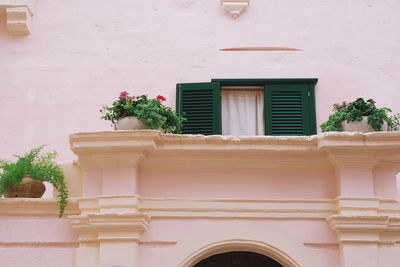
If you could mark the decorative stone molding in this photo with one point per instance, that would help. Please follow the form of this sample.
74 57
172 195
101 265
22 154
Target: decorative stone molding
235 7
237 208
110 149
19 13
150 149
359 237
359 229
111 213
108 228
86 233
358 206
119 227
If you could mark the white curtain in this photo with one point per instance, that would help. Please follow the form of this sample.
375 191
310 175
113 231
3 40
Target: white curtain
242 112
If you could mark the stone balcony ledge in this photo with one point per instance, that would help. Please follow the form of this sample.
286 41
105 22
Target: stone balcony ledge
153 149
36 207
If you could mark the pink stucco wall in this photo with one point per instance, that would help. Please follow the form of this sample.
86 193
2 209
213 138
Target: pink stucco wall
36 241
318 238
82 53
238 184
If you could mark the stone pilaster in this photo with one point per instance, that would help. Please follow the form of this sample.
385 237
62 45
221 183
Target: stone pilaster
358 238
109 228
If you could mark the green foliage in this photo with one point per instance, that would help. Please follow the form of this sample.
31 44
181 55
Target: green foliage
354 111
394 122
150 111
40 166
334 122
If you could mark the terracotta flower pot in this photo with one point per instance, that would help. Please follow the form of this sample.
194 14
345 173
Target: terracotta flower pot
29 187
130 123
361 126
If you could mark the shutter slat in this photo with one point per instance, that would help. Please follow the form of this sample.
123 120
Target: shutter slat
285 109
198 103
287 115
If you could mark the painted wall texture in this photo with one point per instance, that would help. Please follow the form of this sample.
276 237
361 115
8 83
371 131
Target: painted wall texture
81 54
144 199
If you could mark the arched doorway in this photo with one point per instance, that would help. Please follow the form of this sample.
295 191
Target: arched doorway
229 236
238 259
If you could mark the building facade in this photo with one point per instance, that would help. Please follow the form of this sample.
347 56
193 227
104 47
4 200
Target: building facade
148 199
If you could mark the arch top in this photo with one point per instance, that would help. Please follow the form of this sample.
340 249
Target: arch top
238 258
252 236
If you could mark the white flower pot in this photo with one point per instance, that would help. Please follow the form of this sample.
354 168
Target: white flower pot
130 123
361 126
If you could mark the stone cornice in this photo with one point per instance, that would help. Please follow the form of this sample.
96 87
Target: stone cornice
152 149
358 223
196 208
137 221
95 227
364 229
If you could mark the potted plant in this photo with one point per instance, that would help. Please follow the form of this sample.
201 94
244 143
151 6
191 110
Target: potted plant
360 115
140 112
25 177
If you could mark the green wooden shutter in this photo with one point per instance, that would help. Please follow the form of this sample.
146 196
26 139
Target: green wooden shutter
200 104
289 109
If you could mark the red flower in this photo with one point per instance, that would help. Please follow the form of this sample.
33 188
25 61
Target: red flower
124 93
161 98
127 100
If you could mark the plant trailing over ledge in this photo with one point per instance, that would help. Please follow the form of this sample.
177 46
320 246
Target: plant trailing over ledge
150 111
354 111
38 165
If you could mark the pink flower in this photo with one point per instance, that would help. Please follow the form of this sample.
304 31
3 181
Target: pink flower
122 96
160 97
124 93
127 100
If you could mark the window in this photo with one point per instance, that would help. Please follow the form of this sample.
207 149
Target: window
289 105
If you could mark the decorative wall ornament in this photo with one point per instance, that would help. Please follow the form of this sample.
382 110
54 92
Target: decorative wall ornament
18 14
235 7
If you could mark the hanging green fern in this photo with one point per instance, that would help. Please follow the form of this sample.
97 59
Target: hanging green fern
40 166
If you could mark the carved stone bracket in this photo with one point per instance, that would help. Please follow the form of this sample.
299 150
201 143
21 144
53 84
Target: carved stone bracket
19 13
235 7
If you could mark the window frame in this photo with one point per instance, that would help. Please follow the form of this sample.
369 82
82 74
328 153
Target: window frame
308 102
